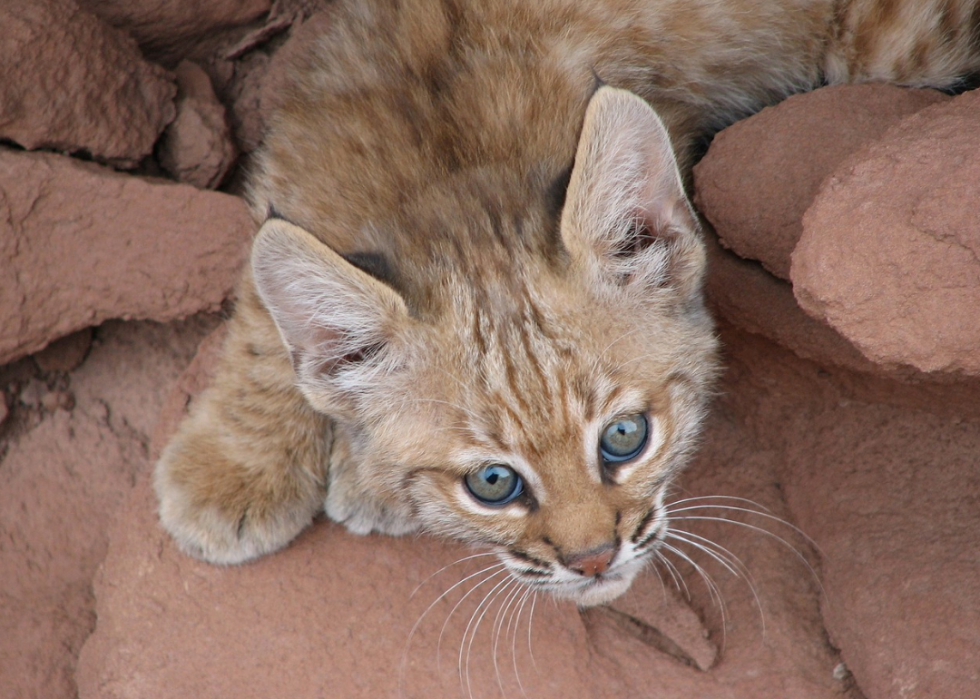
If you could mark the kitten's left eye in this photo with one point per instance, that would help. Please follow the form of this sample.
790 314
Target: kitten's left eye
495 484
623 438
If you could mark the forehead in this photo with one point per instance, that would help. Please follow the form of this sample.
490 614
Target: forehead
532 375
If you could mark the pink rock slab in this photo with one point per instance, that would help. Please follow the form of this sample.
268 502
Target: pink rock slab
890 255
72 83
760 174
80 244
62 475
197 146
891 494
340 615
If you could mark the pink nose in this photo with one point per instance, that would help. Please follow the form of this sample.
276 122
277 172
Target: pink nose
592 563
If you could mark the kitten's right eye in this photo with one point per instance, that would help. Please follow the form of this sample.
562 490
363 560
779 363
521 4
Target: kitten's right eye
495 484
624 438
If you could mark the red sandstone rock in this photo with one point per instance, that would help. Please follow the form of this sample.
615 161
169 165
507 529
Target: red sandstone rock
72 83
61 476
746 295
65 354
192 381
890 255
250 111
762 173
340 615
161 26
889 492
258 80
657 615
197 147
751 298
80 244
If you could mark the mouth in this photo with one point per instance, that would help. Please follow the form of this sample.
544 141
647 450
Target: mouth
589 592
584 591
600 589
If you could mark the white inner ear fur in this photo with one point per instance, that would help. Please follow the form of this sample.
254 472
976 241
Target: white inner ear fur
625 179
325 308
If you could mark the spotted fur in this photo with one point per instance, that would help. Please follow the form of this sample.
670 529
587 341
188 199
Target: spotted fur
477 249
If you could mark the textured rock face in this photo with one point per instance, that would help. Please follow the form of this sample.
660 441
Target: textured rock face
160 26
81 244
881 474
885 491
197 146
882 256
889 491
322 617
73 83
65 354
890 255
761 174
62 474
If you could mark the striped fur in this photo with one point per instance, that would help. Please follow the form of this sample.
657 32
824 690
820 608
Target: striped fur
481 252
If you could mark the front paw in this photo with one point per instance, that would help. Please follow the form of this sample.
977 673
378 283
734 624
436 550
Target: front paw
226 515
362 515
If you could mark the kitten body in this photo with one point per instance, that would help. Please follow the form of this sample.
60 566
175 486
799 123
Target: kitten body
478 251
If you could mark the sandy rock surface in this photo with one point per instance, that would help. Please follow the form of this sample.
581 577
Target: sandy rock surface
782 155
888 489
81 244
890 254
859 200
63 472
197 147
873 228
377 616
161 27
73 83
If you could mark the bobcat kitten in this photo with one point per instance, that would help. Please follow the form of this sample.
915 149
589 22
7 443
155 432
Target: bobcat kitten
474 306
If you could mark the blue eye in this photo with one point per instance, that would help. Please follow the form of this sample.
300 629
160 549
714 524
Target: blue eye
495 484
624 438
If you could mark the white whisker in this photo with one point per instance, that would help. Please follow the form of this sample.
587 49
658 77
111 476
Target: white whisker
735 570
530 620
713 590
513 646
734 498
761 530
447 567
498 623
663 585
675 575
418 622
766 515
484 605
732 563
442 631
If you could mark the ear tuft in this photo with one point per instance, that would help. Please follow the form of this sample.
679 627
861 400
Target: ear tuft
331 315
627 216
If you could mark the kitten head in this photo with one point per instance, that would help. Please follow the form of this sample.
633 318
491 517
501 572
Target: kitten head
547 403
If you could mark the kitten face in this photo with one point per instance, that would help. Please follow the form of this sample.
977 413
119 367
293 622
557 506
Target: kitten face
544 399
514 447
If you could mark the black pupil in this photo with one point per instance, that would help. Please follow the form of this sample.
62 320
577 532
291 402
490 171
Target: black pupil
624 438
496 484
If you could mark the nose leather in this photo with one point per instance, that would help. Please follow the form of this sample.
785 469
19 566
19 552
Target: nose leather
591 563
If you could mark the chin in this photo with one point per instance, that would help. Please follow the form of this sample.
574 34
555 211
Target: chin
599 591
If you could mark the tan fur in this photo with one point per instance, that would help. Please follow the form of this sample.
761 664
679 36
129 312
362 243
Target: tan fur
481 255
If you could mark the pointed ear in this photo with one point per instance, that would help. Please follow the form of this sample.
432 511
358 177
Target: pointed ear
336 320
626 216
